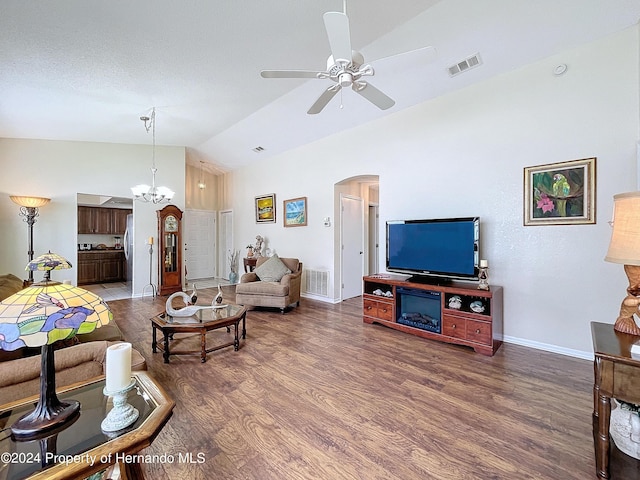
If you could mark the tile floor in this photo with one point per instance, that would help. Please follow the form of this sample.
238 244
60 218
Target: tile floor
109 291
119 290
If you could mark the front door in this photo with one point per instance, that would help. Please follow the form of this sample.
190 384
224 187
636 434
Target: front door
200 244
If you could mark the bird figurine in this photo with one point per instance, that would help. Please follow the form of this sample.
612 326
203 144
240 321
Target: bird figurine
185 311
218 299
194 295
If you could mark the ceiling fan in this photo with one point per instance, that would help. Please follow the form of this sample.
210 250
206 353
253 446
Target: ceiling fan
346 67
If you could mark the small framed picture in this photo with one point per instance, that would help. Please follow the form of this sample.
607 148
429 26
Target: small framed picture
295 212
266 208
560 193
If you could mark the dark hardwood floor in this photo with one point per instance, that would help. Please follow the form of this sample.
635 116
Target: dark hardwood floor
318 394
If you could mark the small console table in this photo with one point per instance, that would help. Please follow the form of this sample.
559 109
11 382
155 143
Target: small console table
455 312
617 375
249 264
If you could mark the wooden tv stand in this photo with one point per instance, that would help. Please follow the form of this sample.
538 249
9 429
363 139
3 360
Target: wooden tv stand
480 330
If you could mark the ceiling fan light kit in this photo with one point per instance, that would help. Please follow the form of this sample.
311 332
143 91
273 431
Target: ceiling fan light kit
345 67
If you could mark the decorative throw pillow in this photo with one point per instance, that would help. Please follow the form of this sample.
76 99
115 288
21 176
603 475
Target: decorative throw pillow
272 270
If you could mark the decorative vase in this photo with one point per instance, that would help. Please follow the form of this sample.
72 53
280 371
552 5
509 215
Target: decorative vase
233 277
624 428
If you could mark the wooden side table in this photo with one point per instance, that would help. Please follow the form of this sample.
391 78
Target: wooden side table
617 375
94 450
249 264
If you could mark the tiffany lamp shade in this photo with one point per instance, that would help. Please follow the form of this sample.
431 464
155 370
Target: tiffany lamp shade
47 262
39 316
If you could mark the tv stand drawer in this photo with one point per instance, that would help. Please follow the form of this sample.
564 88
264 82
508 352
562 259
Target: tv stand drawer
378 309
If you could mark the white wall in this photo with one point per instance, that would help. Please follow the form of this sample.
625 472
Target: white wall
463 154
60 170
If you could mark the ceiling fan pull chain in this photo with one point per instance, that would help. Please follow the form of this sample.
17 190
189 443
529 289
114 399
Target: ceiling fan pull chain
341 105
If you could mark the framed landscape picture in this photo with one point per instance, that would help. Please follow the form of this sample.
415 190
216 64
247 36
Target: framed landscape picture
295 212
266 208
560 193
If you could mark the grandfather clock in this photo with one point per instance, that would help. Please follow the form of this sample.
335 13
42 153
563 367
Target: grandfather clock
170 250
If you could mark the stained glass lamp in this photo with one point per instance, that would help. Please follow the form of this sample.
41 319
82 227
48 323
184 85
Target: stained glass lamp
39 316
47 262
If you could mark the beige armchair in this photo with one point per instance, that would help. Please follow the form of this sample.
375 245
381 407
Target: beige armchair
254 292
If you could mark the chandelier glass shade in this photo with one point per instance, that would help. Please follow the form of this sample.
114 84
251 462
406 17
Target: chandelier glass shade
201 184
151 193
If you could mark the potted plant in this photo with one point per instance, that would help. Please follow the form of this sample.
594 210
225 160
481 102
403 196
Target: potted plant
233 266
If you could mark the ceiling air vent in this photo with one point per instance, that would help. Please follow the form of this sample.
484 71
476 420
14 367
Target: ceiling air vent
258 149
464 65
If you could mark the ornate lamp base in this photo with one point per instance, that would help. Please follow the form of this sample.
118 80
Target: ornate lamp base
625 322
50 413
122 414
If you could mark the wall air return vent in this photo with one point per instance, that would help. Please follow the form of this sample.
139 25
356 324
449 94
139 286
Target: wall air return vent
466 64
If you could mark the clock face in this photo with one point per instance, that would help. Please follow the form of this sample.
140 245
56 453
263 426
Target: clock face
170 224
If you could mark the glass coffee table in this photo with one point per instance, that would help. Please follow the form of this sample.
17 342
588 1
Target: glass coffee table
202 322
82 448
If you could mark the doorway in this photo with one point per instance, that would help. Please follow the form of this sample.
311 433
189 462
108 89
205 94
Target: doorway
226 243
351 245
374 239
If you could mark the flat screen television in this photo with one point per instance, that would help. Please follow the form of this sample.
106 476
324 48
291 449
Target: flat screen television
447 248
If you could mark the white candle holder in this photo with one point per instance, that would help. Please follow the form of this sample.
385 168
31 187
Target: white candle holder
483 277
122 414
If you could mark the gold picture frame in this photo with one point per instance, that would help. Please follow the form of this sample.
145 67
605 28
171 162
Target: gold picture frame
266 208
560 193
295 212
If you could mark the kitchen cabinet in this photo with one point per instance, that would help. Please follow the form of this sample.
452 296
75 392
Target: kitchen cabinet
101 266
107 221
87 270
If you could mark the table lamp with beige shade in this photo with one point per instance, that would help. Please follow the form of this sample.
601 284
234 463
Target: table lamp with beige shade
624 248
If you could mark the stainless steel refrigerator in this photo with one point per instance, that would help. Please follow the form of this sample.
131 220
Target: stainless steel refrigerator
128 251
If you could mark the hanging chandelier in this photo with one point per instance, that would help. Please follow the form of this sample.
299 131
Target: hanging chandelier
146 193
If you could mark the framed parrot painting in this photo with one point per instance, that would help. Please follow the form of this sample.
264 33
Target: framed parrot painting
560 193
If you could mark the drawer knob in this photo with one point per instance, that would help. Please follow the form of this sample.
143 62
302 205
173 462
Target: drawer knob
453 326
478 330
369 307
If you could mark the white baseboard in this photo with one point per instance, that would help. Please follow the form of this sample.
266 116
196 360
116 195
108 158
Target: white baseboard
319 298
549 348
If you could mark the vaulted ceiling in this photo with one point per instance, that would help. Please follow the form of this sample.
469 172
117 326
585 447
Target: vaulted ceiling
87 70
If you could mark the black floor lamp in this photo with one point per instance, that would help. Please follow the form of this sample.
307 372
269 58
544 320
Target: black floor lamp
29 210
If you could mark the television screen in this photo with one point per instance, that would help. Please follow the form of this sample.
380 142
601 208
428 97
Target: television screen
446 247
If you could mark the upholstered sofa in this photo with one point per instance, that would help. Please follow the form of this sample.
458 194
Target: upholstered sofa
20 378
277 291
82 359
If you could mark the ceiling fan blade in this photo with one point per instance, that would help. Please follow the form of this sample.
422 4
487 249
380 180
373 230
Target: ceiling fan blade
337 26
375 96
292 74
322 101
417 57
